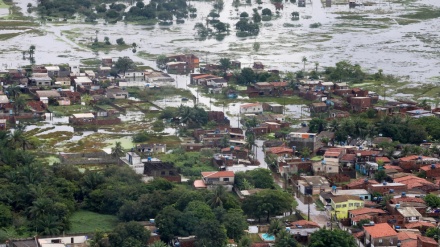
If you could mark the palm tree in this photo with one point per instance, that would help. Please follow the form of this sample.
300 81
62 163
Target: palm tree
250 142
285 239
117 151
334 125
19 139
158 244
39 208
19 104
304 60
275 227
31 51
245 242
218 197
316 66
49 225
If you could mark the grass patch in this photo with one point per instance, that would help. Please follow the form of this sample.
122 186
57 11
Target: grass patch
87 222
3 5
69 110
288 100
423 14
352 17
91 62
319 205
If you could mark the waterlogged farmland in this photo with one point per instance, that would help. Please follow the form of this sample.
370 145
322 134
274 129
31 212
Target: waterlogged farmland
401 37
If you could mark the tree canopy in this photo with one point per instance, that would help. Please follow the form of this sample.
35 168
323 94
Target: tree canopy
325 238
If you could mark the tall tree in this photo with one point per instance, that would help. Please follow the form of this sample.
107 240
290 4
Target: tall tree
123 64
285 239
304 60
325 238
129 234
235 224
210 233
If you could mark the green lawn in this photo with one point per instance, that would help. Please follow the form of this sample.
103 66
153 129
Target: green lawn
69 110
3 5
87 222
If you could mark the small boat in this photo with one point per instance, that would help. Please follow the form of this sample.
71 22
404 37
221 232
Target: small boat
184 99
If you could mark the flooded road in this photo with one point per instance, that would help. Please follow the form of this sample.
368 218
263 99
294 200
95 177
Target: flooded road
376 36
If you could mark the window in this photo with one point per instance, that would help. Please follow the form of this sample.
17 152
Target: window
226 179
162 173
344 205
391 241
338 206
329 168
380 241
366 198
357 204
350 204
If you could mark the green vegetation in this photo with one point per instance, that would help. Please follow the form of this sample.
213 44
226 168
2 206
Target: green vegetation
68 111
423 14
432 200
87 222
190 164
3 5
337 237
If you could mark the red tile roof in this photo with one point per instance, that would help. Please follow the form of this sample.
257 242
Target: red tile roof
304 223
407 199
361 211
418 224
427 240
402 236
429 167
412 181
260 245
409 243
413 157
219 174
397 168
279 84
348 157
380 230
361 217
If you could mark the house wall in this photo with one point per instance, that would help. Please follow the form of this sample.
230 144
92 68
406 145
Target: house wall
249 110
341 209
386 189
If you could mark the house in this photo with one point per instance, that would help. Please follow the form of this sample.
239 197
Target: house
387 188
312 185
432 171
160 169
90 74
423 241
52 71
116 93
48 94
380 235
82 81
251 108
414 162
74 97
415 183
410 214
40 79
134 161
82 118
177 67
300 140
318 107
152 148
360 193
190 60
302 229
63 101
68 241
357 215
273 107
158 78
213 179
62 81
340 205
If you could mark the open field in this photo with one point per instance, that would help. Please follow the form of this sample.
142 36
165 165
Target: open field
88 222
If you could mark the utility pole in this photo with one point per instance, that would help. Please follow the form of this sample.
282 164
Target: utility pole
308 208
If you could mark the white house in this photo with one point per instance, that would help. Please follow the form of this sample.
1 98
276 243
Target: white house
52 71
255 108
62 241
41 79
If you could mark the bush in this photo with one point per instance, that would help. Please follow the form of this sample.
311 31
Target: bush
120 41
244 15
315 25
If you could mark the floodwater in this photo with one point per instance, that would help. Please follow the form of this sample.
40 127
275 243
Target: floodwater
375 41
